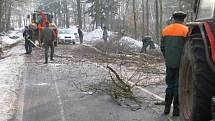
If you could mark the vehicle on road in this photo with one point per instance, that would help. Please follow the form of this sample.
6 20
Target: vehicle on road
67 36
3 34
197 71
38 22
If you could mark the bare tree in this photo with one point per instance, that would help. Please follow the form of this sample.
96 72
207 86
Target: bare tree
147 17
157 20
135 19
143 18
79 9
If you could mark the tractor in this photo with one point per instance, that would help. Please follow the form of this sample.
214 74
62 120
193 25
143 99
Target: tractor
38 22
197 70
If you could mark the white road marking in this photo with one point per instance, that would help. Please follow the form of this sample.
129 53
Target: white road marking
41 84
59 97
148 92
22 98
141 88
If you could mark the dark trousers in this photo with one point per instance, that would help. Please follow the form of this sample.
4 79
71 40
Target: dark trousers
28 46
81 39
47 45
172 77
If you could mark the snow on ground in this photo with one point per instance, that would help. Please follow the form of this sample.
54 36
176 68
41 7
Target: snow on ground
95 35
12 37
135 44
130 42
10 69
7 41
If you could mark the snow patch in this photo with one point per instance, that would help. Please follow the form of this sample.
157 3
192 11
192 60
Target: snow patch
131 43
7 41
95 35
11 69
135 44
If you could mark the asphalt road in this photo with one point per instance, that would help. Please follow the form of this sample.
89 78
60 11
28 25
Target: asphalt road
52 93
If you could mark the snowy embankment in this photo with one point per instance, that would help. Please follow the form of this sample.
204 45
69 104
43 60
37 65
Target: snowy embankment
135 44
10 68
10 74
131 43
10 38
95 36
7 41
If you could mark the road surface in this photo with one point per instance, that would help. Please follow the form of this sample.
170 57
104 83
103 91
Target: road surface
52 92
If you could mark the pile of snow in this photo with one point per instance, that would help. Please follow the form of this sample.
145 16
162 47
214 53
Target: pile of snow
95 35
135 44
7 41
11 68
131 43
14 34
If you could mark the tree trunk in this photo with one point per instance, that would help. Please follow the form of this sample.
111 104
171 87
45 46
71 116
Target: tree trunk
143 18
161 15
79 9
157 32
84 19
8 15
147 17
135 19
66 15
98 17
1 15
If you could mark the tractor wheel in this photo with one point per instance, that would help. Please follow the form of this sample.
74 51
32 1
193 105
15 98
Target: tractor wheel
196 82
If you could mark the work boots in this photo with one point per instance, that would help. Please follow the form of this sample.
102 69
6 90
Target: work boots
46 60
168 102
176 110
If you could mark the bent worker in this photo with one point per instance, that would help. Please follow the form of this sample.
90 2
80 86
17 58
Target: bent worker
172 43
48 37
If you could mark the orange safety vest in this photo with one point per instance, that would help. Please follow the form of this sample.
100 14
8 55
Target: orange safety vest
175 29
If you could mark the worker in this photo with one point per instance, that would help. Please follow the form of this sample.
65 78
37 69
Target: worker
55 29
28 35
48 37
81 35
147 41
172 43
105 34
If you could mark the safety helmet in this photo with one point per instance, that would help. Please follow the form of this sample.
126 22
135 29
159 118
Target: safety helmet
179 15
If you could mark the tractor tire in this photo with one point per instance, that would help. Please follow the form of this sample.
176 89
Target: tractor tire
196 82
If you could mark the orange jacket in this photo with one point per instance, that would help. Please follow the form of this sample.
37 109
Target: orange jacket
172 43
175 29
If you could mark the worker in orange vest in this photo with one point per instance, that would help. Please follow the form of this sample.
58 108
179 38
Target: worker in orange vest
172 44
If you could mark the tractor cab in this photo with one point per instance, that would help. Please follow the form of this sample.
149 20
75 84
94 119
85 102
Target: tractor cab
205 24
38 17
205 10
38 22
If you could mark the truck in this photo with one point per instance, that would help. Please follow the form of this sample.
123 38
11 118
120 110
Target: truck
38 22
197 70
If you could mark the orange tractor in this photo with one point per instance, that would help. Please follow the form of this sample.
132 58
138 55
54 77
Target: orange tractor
38 22
197 71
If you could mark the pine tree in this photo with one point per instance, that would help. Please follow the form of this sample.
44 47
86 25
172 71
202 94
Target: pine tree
101 11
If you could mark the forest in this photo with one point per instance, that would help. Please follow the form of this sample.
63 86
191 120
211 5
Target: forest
137 18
